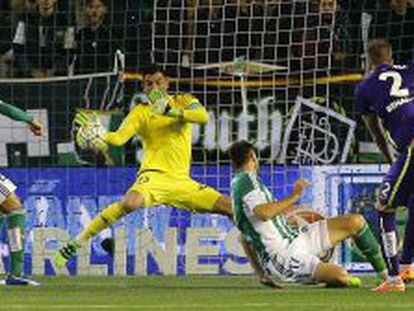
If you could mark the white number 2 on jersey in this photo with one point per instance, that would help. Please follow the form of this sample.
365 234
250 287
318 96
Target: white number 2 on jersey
396 89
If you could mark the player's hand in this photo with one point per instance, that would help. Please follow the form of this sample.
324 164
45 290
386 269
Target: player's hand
91 132
300 186
36 127
87 119
91 138
159 102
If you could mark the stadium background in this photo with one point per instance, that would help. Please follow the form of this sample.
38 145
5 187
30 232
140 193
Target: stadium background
303 119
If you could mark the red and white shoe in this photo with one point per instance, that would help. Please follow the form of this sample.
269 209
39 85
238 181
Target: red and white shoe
391 285
407 275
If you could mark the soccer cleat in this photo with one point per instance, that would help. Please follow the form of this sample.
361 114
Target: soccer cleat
18 281
390 285
63 255
407 275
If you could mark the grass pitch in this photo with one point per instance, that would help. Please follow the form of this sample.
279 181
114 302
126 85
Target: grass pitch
192 293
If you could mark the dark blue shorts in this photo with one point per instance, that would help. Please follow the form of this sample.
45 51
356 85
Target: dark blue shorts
398 185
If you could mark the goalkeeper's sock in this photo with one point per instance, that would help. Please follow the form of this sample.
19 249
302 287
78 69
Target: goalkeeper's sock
368 245
106 218
16 229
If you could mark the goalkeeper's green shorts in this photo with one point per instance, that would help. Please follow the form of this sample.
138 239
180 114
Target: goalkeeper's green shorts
181 192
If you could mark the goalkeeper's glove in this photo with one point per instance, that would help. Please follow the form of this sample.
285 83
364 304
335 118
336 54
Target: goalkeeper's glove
91 132
161 106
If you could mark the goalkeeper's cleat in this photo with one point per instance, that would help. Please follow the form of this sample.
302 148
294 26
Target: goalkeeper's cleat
354 282
391 285
18 281
407 275
63 255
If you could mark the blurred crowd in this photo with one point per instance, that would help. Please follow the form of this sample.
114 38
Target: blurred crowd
43 38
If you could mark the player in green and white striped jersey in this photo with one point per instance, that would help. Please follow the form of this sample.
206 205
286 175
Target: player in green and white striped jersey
287 253
12 212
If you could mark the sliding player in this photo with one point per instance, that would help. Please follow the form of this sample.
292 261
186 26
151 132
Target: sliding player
11 209
386 99
165 128
287 253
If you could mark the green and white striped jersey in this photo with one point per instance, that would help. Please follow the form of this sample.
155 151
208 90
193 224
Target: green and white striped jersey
267 237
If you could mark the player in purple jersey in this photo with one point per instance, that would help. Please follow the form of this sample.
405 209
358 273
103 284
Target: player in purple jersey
386 101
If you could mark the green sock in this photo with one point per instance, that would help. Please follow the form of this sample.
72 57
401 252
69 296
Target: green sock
16 228
368 245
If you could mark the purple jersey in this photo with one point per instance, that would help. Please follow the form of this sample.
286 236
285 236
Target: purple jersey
389 93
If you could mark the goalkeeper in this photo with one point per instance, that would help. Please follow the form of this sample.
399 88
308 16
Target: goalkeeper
11 209
165 128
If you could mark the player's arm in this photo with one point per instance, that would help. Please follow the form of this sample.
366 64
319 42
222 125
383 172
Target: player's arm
376 130
128 128
268 211
18 114
194 111
93 134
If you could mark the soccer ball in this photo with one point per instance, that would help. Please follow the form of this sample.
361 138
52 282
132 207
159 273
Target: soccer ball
90 138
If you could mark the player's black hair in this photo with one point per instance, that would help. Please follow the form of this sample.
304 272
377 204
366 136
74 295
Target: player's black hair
239 153
153 69
379 51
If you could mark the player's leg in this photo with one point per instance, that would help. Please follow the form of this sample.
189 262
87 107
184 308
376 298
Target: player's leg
254 261
333 275
299 263
200 198
15 216
16 227
354 226
395 191
407 255
146 188
109 216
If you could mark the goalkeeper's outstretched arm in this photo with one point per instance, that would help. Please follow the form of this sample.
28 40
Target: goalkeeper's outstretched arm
126 131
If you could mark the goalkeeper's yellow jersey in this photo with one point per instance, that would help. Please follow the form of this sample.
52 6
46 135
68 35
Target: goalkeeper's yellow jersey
166 140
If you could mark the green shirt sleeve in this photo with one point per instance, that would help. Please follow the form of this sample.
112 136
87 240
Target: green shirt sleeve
14 112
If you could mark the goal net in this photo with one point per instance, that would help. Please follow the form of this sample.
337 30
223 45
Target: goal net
266 72
278 73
